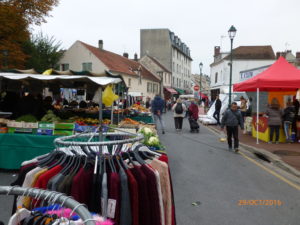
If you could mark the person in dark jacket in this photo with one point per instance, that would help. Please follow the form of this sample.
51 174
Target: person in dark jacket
288 119
218 107
297 106
232 119
274 114
148 103
157 107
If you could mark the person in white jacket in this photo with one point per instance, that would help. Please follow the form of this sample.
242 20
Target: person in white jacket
179 110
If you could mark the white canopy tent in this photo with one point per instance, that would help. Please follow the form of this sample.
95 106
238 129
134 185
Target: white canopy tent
99 82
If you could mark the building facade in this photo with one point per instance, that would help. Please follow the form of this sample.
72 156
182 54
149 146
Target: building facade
83 57
244 58
171 52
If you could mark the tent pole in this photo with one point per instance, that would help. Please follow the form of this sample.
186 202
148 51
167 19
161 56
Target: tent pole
100 114
257 115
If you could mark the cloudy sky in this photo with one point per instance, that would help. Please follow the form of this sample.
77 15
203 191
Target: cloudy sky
200 24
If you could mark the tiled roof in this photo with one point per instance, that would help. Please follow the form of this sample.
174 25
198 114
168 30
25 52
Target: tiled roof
159 64
253 52
120 64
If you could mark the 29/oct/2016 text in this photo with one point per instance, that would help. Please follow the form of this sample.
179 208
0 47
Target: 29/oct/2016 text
260 202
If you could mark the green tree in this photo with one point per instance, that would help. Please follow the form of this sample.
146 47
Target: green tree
16 17
43 52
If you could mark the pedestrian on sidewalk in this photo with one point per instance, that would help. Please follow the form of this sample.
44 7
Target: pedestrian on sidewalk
288 119
243 106
274 114
157 107
218 106
179 110
232 119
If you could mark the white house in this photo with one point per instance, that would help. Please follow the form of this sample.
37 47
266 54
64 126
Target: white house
83 57
244 58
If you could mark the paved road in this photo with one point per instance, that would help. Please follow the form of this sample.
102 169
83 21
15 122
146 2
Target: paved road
204 170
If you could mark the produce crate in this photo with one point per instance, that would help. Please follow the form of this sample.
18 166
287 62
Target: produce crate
64 126
145 119
48 132
14 124
30 125
3 120
45 125
63 132
80 128
21 130
3 130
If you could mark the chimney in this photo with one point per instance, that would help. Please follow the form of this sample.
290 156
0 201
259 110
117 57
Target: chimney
217 51
278 54
125 54
100 44
135 57
298 55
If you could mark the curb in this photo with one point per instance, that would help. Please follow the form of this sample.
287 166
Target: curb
276 160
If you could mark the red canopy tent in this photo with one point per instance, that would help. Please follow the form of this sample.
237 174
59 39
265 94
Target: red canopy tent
281 76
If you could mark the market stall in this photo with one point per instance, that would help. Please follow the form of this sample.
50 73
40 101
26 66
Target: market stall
26 138
281 80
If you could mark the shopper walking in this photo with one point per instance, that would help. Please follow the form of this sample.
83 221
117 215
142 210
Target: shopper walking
179 110
157 107
218 106
193 112
288 119
148 102
274 114
232 119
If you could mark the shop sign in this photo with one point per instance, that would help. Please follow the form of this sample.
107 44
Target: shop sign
262 124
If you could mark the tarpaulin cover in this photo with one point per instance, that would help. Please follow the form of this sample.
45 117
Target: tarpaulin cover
102 81
281 76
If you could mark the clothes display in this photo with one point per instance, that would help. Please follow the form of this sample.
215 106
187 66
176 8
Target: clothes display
131 187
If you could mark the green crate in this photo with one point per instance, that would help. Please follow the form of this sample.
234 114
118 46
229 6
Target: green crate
63 132
64 126
44 125
22 130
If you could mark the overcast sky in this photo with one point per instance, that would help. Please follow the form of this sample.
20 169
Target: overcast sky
200 24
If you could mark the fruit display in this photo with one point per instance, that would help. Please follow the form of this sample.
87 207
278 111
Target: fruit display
92 109
50 117
139 108
86 121
130 121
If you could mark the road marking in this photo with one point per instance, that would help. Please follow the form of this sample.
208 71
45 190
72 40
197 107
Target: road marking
272 172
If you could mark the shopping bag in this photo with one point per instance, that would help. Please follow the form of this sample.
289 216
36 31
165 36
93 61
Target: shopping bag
109 96
222 136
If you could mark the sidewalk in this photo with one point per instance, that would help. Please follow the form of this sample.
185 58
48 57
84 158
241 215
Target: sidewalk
285 155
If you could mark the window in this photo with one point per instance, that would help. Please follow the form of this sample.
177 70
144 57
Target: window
173 81
129 82
216 78
65 66
177 68
173 69
148 87
87 66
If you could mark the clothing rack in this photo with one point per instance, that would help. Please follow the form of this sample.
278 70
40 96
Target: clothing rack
57 197
76 140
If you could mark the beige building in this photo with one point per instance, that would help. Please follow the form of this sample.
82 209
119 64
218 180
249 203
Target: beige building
155 67
171 52
83 57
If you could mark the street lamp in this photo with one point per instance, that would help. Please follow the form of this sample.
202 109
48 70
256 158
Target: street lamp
200 67
231 34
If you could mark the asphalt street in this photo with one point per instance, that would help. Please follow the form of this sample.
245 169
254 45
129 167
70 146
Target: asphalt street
205 173
209 182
